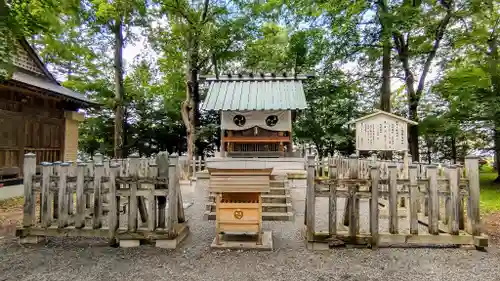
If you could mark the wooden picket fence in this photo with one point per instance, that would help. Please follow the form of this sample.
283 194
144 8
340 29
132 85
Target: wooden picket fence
190 168
86 200
436 200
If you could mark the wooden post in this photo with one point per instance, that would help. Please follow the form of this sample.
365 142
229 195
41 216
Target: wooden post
375 177
114 211
62 196
80 195
353 212
45 211
353 174
332 210
173 185
56 170
152 173
433 200
393 200
132 203
406 175
89 172
420 196
461 204
472 170
98 158
29 170
97 213
414 195
453 220
446 200
69 194
310 198
163 167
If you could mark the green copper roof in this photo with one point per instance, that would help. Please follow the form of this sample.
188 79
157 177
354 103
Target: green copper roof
260 92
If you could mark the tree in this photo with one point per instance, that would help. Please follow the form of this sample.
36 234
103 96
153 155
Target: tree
420 28
20 20
114 17
331 104
197 38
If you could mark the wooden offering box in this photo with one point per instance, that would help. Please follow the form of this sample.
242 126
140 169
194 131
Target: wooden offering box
238 200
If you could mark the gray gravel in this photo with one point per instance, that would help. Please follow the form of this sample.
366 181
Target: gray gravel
92 260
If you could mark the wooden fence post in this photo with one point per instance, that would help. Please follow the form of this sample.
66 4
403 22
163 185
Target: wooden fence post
97 213
310 198
98 158
89 172
461 204
163 167
29 170
172 217
62 196
45 212
433 199
152 172
393 199
453 220
414 199
80 195
56 170
69 195
332 199
132 212
114 212
472 170
374 214
353 174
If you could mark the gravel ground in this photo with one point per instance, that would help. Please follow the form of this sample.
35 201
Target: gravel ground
88 259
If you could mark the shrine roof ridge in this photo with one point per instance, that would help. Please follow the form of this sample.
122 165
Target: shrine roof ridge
261 76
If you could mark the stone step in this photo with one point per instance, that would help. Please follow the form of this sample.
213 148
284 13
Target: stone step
266 207
277 191
266 198
282 184
266 216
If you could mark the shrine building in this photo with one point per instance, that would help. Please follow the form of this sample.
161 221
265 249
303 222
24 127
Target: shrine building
257 112
37 115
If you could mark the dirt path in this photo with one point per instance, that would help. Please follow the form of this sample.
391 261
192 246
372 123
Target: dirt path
61 259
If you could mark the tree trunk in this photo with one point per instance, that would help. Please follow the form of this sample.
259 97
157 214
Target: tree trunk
119 89
414 96
385 92
454 149
495 81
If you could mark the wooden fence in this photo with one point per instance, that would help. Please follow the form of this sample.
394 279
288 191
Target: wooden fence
445 200
190 168
98 189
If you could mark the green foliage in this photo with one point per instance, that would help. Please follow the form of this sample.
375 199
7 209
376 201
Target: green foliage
331 104
490 193
458 113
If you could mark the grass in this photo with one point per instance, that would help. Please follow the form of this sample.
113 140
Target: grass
490 193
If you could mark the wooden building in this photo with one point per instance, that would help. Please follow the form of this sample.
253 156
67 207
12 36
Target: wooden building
257 112
37 115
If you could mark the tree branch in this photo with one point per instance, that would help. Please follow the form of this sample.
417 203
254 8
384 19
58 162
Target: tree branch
205 12
439 36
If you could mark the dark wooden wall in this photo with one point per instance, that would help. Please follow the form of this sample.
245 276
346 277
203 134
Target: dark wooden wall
29 122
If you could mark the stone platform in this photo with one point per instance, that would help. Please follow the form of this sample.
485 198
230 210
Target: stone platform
245 242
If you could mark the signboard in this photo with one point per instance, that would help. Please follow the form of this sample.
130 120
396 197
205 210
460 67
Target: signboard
382 131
